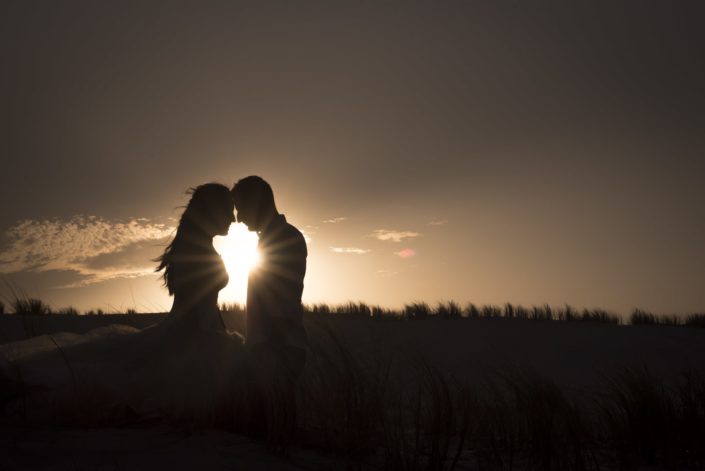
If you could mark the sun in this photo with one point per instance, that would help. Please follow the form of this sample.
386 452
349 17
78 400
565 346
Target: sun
239 252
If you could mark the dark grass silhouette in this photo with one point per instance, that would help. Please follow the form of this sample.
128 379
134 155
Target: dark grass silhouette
30 306
68 311
695 320
639 317
644 422
22 304
374 414
452 310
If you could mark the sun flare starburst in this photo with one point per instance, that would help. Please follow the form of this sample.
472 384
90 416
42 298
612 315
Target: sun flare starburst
239 252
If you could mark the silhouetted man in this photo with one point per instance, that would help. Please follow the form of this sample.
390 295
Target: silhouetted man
276 339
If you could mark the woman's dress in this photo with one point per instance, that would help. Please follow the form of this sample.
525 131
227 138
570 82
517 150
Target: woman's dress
186 368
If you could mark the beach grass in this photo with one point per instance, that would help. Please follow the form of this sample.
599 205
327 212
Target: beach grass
395 410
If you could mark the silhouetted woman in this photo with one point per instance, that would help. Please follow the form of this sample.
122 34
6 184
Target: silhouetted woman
194 272
183 369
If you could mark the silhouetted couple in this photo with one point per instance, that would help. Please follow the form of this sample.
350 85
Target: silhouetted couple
188 367
276 340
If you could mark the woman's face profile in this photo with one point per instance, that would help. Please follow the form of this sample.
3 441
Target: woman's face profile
225 218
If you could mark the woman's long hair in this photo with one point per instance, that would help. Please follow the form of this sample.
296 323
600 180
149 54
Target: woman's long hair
194 227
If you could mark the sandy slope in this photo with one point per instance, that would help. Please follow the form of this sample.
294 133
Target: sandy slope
576 356
572 354
147 449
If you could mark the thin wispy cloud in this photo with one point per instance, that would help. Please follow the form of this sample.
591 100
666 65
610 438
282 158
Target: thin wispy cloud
96 248
335 220
352 250
405 253
438 222
393 236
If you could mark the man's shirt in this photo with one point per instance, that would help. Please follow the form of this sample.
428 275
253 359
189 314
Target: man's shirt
275 286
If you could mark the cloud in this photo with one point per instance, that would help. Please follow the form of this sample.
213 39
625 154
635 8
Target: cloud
393 236
438 222
405 253
93 247
353 250
335 220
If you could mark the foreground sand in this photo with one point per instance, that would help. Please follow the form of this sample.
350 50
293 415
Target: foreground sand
575 356
148 449
571 354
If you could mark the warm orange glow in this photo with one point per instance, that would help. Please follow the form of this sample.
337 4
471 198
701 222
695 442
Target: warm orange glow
239 252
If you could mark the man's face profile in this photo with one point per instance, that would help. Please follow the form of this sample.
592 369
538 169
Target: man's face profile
246 216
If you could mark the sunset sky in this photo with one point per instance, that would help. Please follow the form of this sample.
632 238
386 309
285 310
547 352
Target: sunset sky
487 152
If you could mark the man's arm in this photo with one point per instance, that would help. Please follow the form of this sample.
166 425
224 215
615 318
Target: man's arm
287 287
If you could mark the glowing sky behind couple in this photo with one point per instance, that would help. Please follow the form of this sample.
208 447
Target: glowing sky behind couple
478 151
239 252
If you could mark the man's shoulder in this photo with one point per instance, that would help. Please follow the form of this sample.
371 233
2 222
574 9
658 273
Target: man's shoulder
288 228
294 232
287 237
295 237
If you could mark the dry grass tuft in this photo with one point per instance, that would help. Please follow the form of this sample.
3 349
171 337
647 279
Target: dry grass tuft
397 412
